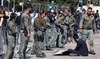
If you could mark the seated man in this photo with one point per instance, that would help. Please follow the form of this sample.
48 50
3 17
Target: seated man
80 50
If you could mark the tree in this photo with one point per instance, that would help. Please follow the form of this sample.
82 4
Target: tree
96 2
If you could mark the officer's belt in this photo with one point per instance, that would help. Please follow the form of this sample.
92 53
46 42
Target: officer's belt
87 28
13 34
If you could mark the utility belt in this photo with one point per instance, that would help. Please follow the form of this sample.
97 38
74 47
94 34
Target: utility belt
10 33
13 34
24 32
88 28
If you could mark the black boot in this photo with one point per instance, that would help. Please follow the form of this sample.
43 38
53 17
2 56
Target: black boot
42 55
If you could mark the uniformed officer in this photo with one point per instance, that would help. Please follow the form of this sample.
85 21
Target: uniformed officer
54 33
87 28
62 29
39 28
11 36
25 31
47 33
70 21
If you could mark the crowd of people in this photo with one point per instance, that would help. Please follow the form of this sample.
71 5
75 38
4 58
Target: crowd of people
51 30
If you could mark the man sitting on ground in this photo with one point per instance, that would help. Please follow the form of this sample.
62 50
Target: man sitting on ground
80 50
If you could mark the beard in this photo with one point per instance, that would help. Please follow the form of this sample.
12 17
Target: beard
30 11
88 14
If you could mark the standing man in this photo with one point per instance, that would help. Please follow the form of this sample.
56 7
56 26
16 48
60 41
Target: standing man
62 30
70 22
11 36
25 31
39 29
88 28
77 17
53 29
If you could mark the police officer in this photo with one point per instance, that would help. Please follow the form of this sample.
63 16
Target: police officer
47 33
11 36
70 21
87 28
62 29
54 33
25 31
39 28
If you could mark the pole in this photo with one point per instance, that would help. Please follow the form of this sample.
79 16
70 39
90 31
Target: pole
8 6
1 2
14 6
23 6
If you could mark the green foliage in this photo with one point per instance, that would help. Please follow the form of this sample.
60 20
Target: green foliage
73 1
84 2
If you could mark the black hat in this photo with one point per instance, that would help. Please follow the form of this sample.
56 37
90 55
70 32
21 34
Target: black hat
13 15
75 36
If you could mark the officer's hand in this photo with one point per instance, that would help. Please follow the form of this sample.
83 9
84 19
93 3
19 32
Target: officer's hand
1 15
29 34
94 31
61 26
81 30
43 29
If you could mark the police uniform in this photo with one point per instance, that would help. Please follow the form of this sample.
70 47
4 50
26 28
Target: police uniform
39 28
62 29
87 24
70 21
11 36
54 33
25 25
47 33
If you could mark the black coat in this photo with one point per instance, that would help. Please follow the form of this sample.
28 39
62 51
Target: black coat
82 48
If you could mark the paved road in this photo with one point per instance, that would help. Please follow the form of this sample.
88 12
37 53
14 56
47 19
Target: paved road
67 46
72 45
